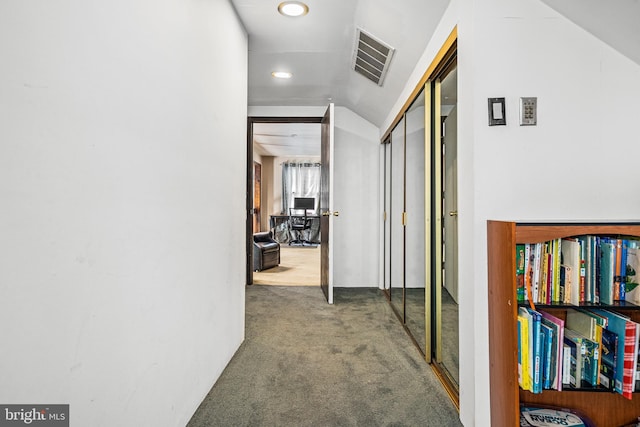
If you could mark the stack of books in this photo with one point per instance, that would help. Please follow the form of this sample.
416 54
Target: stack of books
579 270
591 348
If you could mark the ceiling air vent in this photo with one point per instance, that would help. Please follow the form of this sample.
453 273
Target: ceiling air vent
371 57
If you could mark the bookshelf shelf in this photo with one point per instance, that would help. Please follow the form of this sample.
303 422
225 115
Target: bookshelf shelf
605 409
617 305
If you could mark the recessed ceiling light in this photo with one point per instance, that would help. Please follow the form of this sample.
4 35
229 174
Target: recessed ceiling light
282 74
293 8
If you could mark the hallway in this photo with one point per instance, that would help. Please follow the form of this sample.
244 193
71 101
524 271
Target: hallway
306 363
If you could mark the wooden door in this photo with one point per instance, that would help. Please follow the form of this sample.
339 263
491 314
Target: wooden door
257 178
326 204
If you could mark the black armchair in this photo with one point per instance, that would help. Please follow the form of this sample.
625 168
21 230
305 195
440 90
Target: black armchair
266 251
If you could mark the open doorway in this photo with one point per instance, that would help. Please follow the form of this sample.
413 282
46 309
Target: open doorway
287 152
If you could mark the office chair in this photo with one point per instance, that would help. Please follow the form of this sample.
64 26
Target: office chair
298 223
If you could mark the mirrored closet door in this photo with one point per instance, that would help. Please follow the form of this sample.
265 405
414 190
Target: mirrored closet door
420 227
405 212
414 220
444 294
396 215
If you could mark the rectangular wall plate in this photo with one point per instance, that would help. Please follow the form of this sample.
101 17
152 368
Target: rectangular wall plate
528 111
497 115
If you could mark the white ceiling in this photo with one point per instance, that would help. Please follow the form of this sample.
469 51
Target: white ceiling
287 139
616 23
318 49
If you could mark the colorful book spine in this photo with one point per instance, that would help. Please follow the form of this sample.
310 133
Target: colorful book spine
563 282
567 366
630 358
595 271
544 275
608 356
590 361
576 340
548 364
557 325
586 261
519 331
527 273
623 270
637 387
632 282
571 367
594 282
583 275
549 278
617 268
572 260
520 271
627 332
607 266
525 337
537 351
584 265
555 271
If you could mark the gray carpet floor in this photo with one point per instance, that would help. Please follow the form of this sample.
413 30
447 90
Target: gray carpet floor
306 363
415 318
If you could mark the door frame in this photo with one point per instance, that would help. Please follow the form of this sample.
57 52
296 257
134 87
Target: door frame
249 181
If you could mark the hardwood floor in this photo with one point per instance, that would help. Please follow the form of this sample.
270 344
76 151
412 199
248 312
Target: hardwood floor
299 266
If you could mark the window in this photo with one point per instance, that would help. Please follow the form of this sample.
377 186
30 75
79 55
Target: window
299 179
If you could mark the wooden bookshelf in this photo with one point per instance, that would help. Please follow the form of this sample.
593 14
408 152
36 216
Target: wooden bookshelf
605 409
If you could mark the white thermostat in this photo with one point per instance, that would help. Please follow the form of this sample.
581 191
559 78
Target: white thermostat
528 111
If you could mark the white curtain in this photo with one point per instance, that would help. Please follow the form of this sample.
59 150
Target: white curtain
300 179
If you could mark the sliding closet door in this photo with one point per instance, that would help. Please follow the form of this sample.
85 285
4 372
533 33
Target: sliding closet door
405 206
447 300
415 221
443 297
386 159
420 251
396 218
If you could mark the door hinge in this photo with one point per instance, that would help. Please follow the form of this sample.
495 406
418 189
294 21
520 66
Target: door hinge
404 219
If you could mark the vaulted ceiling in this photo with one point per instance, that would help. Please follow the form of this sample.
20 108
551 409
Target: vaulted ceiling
318 48
616 23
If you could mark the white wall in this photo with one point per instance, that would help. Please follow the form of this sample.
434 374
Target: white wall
576 164
118 296
355 195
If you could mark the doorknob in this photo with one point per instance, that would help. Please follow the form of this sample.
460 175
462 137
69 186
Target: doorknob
453 213
336 213
329 213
